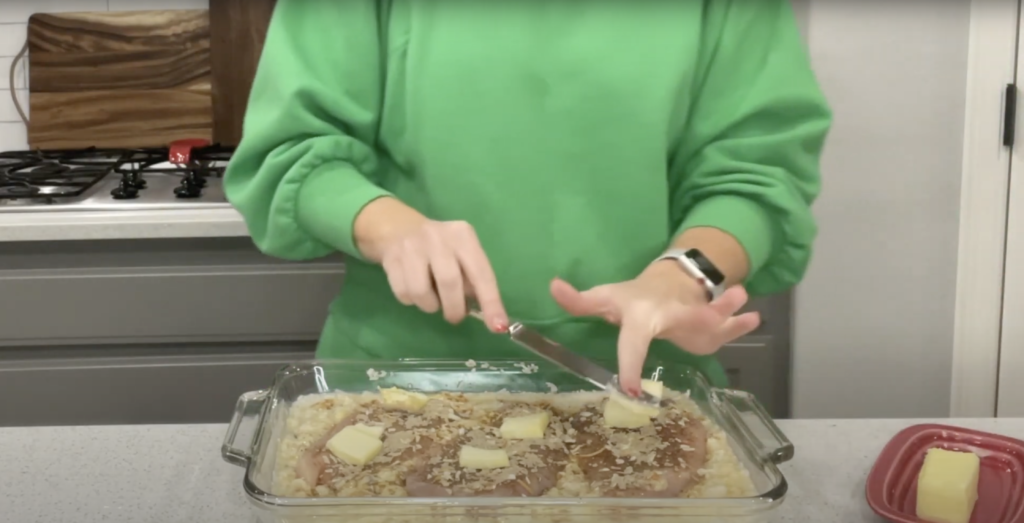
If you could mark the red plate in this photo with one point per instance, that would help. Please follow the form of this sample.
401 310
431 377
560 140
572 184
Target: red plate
892 483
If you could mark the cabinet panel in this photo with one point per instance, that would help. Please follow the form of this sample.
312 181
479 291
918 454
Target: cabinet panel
758 365
159 291
153 385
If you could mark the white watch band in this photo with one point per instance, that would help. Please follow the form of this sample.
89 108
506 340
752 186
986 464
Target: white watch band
693 270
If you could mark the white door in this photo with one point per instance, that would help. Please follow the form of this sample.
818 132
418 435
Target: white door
988 345
1010 387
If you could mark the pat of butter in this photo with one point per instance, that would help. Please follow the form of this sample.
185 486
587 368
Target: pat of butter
621 412
477 458
633 405
353 446
376 432
531 426
618 415
403 399
654 388
947 487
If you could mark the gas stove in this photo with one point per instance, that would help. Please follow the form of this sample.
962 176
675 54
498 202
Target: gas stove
186 175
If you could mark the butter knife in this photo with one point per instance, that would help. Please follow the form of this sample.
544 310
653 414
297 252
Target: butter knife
569 360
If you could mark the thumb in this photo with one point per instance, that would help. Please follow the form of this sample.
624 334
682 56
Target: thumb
573 301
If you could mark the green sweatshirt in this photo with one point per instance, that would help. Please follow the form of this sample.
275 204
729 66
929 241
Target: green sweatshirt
578 138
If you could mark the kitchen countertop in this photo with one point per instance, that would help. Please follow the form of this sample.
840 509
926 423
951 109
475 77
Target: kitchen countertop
120 225
174 473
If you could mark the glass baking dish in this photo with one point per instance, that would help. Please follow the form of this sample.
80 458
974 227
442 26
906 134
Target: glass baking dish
258 425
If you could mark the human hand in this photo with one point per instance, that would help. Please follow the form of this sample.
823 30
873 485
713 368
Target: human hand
662 303
436 265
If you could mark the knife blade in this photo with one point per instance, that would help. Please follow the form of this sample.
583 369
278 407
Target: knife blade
538 344
559 355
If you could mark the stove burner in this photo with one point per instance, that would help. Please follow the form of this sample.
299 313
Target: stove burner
48 169
51 175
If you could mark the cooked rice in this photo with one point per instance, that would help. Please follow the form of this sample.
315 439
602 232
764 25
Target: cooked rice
313 416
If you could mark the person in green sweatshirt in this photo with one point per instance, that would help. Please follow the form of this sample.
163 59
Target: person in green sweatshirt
539 158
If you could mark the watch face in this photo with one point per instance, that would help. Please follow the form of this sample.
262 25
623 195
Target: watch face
706 267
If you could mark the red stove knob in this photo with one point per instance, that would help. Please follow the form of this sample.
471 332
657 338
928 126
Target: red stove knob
181 150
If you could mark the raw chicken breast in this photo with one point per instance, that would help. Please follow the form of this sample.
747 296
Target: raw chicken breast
534 465
660 460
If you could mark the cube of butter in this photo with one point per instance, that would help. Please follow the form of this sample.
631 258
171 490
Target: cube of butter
376 432
477 458
353 446
531 426
634 405
947 487
654 388
403 399
618 415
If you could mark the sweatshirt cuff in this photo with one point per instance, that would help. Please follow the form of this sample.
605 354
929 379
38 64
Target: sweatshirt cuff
741 218
329 200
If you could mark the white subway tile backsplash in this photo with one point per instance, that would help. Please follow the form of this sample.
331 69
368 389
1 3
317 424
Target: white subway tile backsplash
8 113
20 76
13 136
12 38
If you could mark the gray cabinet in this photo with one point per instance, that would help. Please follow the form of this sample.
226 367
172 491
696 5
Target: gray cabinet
158 291
760 363
150 331
135 384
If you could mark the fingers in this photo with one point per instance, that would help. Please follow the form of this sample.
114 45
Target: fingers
395 271
731 301
438 266
419 282
706 336
448 282
480 275
634 339
738 326
586 303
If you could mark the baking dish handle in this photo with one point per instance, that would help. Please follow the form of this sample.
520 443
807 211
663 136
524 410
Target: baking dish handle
757 425
242 429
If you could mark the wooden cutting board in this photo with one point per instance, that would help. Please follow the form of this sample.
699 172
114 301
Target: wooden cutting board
119 79
238 29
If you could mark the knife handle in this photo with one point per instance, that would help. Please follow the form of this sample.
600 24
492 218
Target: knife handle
473 309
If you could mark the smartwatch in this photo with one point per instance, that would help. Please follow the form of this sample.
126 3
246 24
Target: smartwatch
698 267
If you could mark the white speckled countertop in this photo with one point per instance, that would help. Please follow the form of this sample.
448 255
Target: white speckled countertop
174 473
120 225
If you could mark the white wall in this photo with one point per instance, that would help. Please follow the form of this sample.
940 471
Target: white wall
13 18
874 317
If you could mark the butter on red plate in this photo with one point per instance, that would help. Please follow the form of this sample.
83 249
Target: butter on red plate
891 488
947 487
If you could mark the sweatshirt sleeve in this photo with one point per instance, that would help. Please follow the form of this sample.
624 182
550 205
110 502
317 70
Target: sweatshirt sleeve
747 161
305 165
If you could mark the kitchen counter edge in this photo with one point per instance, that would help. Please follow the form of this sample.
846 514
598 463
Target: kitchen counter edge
121 225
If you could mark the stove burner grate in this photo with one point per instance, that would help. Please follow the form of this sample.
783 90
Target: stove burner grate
204 162
53 174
